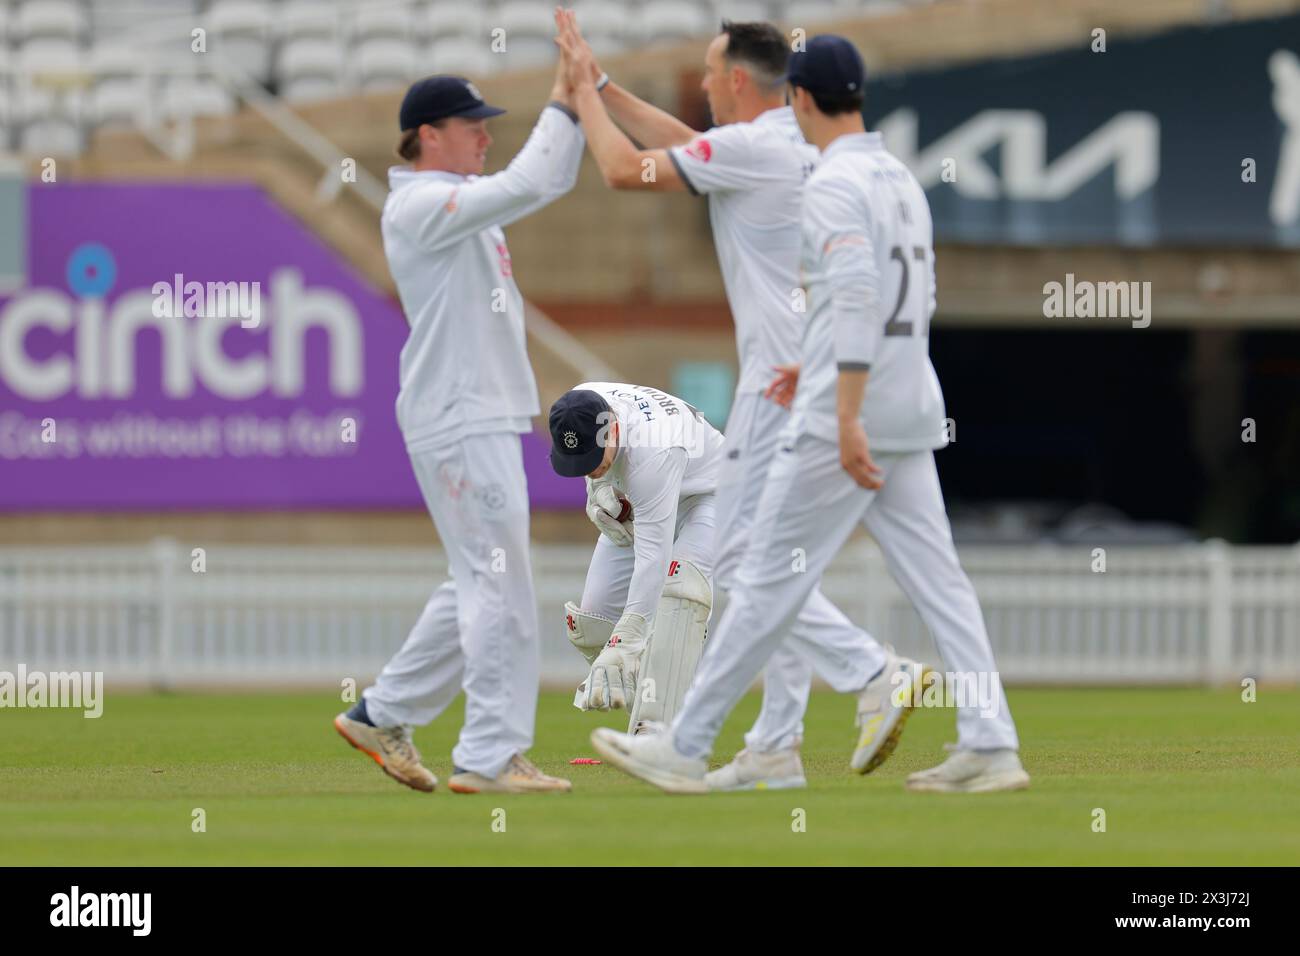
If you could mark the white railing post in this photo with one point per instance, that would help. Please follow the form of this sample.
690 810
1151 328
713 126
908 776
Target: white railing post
1218 658
166 553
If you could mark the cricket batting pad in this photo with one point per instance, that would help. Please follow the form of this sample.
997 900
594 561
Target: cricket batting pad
587 632
676 642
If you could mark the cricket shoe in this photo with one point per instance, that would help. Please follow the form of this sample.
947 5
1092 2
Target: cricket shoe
972 771
755 770
883 708
520 775
653 758
391 748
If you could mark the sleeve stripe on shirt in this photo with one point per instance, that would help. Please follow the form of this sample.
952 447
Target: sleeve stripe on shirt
854 366
564 109
677 163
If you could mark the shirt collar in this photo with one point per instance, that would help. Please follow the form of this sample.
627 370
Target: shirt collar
780 115
855 142
399 176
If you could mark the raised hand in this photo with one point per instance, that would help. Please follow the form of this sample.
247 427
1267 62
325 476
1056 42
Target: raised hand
579 60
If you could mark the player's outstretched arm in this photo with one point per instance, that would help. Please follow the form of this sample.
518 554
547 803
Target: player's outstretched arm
440 214
646 123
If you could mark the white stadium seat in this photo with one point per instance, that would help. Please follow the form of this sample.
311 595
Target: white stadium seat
673 20
527 52
51 137
521 18
309 57
529 35
31 103
48 54
384 63
120 101
241 32
453 18
307 89
126 18
239 16
600 19
196 96
49 18
298 19
115 58
454 55
380 18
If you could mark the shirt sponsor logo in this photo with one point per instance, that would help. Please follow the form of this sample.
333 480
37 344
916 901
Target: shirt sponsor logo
701 150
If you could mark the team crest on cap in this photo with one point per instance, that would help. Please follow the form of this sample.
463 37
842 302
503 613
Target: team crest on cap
473 91
570 440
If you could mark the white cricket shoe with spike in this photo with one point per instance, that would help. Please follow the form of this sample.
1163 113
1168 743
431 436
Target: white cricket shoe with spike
391 748
883 708
755 770
653 758
520 775
972 771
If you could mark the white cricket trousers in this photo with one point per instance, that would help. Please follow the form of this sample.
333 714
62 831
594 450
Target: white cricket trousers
479 630
810 502
822 637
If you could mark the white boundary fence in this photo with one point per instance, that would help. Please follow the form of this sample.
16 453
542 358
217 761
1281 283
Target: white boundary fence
1204 613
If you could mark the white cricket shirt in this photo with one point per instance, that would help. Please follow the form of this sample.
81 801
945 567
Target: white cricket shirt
667 452
868 261
753 174
465 362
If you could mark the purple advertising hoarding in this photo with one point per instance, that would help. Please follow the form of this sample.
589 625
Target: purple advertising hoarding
278 393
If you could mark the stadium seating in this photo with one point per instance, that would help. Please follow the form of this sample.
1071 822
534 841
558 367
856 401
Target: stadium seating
119 50
384 62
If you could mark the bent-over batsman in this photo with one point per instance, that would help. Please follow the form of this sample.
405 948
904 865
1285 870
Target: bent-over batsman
650 462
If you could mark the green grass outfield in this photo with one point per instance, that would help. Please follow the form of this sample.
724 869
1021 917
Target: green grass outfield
1185 776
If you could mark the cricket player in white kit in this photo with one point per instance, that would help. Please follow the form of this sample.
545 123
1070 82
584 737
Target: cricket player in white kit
753 167
651 464
467 393
868 415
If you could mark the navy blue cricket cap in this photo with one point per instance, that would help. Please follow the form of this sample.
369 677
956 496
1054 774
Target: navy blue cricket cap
828 64
578 418
437 97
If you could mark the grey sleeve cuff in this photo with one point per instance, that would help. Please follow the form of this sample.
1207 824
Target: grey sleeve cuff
563 109
682 173
853 366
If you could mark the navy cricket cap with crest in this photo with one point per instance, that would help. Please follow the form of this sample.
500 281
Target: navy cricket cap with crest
577 420
828 64
437 97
